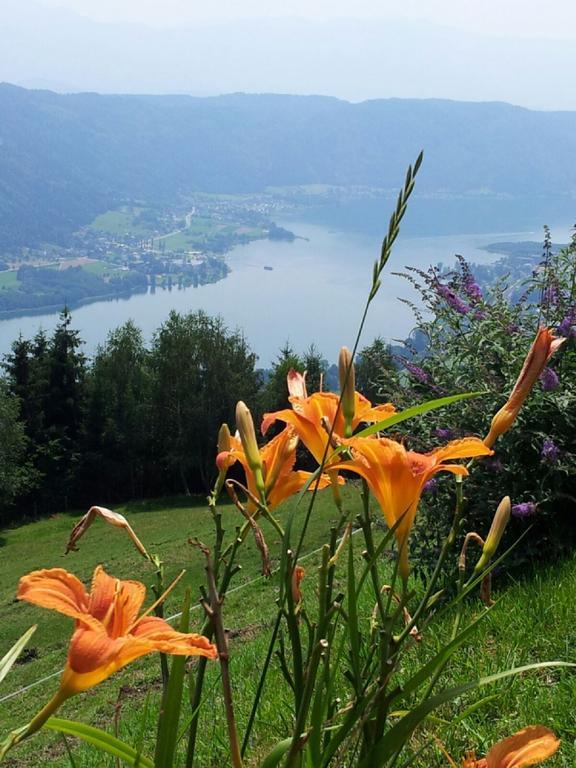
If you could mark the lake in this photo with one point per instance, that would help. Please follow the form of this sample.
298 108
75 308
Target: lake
314 292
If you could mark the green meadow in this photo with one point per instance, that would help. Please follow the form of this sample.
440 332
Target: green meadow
533 620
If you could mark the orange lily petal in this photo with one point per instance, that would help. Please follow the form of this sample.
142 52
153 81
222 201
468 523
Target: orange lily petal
115 603
530 746
56 589
93 656
465 448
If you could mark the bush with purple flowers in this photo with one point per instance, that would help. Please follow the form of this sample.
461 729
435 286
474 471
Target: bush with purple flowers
470 338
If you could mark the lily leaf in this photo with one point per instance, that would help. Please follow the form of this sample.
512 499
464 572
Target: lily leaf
9 659
274 757
415 410
101 740
394 739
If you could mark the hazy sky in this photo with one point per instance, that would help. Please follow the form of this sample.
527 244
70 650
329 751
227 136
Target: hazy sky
516 51
510 18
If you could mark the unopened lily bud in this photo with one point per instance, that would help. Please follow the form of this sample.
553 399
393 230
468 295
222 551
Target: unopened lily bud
495 534
224 443
245 426
542 349
297 575
347 389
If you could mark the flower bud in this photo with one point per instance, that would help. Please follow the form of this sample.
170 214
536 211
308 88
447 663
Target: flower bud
542 349
245 426
495 533
297 575
347 389
224 439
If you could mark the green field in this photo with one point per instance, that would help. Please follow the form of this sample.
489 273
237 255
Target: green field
100 268
9 279
532 621
120 222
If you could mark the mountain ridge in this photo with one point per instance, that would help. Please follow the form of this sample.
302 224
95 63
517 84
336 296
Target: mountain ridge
64 158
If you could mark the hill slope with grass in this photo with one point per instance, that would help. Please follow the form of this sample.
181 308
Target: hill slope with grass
532 621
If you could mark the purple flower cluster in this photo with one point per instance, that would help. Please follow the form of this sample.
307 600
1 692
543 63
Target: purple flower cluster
524 509
549 379
451 299
471 288
430 486
550 452
416 371
444 434
494 465
568 325
550 296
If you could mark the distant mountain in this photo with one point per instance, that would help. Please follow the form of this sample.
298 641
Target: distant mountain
65 158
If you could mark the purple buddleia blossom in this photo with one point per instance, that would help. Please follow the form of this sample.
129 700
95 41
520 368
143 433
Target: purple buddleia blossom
451 299
512 328
550 452
524 509
416 371
549 379
471 288
494 465
430 486
550 295
568 325
444 433
480 314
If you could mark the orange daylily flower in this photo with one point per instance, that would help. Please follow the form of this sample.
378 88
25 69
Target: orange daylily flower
397 477
109 634
542 349
277 458
530 746
309 412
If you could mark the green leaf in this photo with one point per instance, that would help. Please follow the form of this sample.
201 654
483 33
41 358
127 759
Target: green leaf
273 758
440 659
395 739
415 410
167 739
101 740
352 623
9 659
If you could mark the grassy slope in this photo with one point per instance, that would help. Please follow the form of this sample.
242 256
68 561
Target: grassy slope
9 279
533 621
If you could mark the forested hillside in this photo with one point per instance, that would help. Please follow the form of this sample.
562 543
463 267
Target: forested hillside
66 158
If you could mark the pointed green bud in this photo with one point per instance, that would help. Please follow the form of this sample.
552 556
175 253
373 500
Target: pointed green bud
224 439
347 389
495 534
245 425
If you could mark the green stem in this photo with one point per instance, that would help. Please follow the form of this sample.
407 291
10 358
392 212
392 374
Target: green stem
34 725
446 547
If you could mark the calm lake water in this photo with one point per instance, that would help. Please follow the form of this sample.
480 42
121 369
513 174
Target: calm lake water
315 291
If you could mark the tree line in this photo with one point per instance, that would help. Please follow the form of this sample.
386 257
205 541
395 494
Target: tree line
137 420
